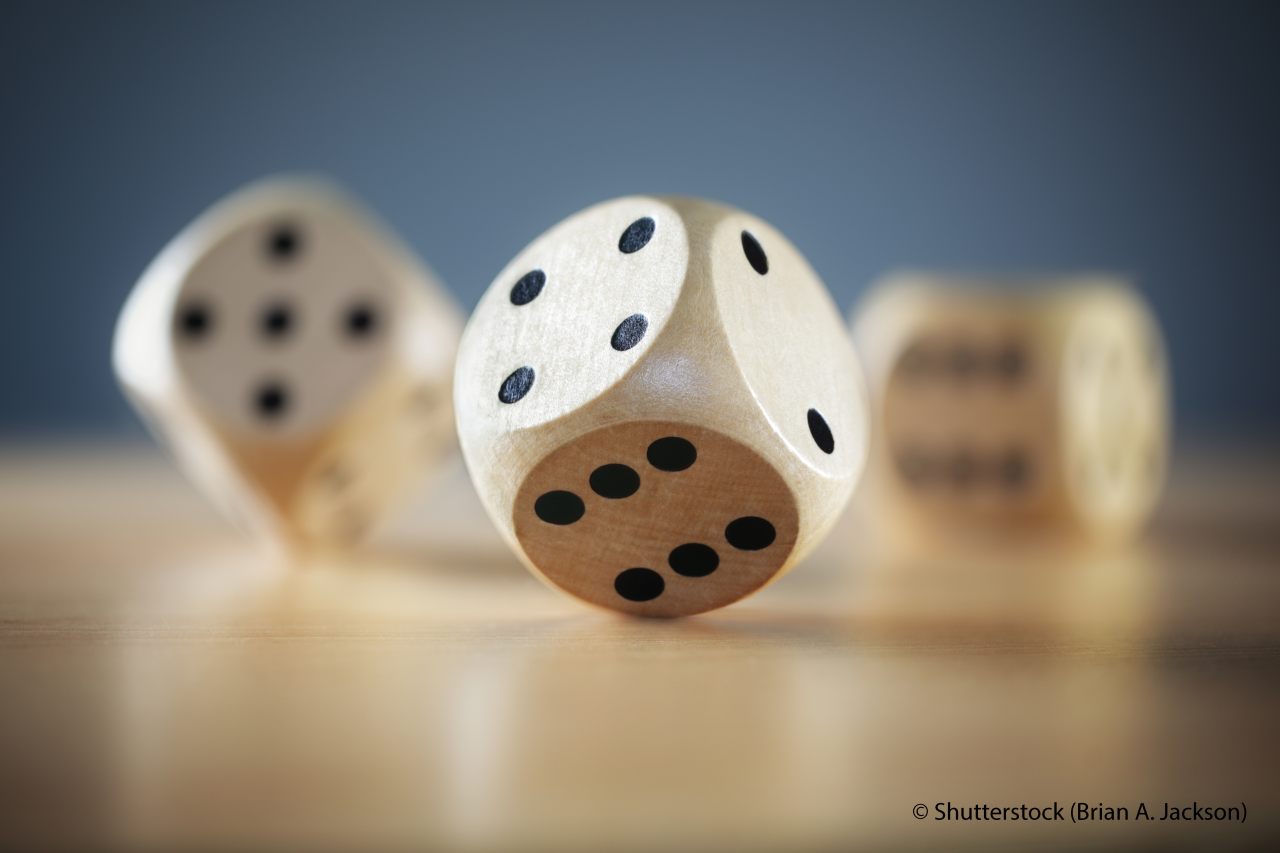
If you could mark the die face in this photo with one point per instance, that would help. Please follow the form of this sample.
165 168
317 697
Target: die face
1114 404
284 321
339 497
968 414
656 519
536 348
775 307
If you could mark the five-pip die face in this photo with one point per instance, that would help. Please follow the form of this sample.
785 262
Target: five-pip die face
660 406
283 322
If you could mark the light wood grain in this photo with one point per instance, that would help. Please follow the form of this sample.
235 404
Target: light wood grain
727 482
166 685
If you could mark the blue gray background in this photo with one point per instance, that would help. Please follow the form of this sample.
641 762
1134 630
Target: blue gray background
1142 138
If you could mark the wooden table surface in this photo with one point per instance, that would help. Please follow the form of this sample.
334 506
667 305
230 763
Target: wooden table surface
164 684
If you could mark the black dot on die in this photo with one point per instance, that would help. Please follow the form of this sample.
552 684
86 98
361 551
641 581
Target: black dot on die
693 560
1011 362
559 507
515 386
637 235
639 584
821 432
195 321
614 481
750 533
276 321
1014 471
528 287
271 400
672 454
284 243
755 253
629 332
360 321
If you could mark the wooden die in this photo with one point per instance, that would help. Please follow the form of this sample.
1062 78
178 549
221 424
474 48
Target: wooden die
1014 402
295 358
660 406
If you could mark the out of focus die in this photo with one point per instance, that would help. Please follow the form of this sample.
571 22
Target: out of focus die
1014 402
295 358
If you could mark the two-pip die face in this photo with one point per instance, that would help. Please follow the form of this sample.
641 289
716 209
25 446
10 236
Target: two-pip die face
660 405
295 358
1047 401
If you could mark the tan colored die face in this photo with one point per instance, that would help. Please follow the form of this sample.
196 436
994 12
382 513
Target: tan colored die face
348 486
605 520
773 305
546 349
282 324
1113 403
968 418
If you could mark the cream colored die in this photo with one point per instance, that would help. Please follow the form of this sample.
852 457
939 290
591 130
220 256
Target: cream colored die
1015 401
296 359
660 406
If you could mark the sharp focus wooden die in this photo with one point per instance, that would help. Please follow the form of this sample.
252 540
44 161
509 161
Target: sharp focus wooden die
660 405
1014 402
295 358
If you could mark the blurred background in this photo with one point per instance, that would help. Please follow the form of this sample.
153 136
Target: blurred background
1142 138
